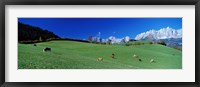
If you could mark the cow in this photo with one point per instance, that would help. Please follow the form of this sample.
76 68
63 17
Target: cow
34 44
136 57
46 49
99 59
152 60
112 55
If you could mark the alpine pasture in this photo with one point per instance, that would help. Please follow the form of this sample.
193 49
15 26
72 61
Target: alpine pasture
80 55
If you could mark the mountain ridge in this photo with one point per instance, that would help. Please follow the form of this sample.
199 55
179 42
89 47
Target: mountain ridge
164 33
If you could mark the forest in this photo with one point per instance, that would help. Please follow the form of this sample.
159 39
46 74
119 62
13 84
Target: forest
32 34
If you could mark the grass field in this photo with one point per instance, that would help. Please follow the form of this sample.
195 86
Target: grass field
79 55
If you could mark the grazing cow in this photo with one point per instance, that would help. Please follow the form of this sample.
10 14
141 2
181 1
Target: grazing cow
112 56
99 59
152 60
135 56
34 44
46 49
140 60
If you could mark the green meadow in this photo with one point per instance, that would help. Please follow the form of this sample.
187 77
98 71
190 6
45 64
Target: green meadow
80 55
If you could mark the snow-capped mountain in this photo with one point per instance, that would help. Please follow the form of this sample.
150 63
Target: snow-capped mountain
112 39
126 39
172 37
164 33
115 40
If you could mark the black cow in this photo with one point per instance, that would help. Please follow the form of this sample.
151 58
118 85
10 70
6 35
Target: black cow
46 49
34 44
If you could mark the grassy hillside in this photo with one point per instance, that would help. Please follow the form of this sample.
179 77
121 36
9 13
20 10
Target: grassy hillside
79 55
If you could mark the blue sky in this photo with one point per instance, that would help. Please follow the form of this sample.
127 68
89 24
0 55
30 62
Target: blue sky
81 28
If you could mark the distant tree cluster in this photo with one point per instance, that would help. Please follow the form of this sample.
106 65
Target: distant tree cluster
28 33
162 43
128 44
139 43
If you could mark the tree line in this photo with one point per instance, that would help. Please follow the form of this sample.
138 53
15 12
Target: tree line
31 34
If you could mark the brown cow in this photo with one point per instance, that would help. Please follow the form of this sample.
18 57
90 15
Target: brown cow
99 59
